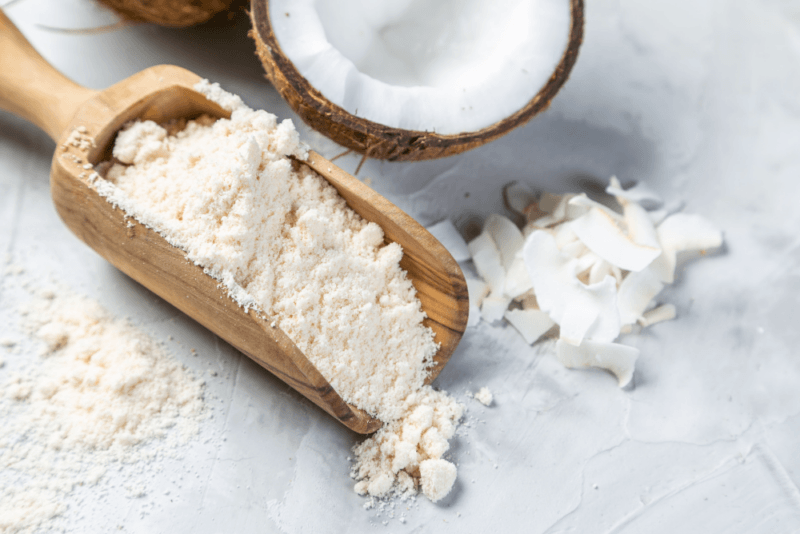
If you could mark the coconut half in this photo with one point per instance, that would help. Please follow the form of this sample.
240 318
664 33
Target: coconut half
411 79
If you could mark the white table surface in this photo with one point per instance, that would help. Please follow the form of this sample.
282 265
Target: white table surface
700 100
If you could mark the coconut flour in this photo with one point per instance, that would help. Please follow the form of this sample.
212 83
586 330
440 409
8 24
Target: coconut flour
100 394
282 241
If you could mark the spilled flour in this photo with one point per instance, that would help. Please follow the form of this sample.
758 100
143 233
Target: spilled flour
100 394
282 241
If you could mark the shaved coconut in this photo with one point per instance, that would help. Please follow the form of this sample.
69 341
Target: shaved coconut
616 273
607 324
487 261
574 249
518 198
477 289
603 236
493 307
517 279
639 193
447 234
564 235
580 205
640 227
600 269
586 262
532 324
656 315
506 236
636 291
682 231
616 358
571 304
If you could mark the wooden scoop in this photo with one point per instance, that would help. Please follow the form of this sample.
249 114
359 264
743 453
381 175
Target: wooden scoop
34 90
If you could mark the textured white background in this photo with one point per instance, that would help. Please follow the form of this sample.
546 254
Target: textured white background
700 100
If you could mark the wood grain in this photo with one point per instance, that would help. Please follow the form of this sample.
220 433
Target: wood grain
163 93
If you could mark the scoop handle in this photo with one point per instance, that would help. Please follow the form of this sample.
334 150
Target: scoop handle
31 88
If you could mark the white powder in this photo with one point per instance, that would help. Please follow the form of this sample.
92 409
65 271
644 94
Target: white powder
484 396
100 392
284 242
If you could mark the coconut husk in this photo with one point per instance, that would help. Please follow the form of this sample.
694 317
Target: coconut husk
379 141
173 13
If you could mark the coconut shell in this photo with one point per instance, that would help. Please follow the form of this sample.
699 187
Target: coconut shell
174 13
379 141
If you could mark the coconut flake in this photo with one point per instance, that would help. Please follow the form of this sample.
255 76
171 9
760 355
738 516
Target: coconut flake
507 237
487 261
493 307
665 312
618 359
447 234
664 266
580 205
571 304
636 292
532 324
574 249
477 289
603 236
683 231
600 269
640 227
517 280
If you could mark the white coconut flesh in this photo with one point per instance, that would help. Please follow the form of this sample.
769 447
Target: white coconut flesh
448 66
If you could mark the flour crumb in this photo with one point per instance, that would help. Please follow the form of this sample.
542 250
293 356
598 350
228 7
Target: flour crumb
437 478
484 396
283 242
7 342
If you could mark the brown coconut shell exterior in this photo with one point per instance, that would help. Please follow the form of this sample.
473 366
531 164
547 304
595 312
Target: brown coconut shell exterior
385 142
173 13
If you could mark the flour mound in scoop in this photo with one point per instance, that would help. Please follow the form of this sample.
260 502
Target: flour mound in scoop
282 241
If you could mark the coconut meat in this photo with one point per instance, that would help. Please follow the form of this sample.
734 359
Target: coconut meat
449 66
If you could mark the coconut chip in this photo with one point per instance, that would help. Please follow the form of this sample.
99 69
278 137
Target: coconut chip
657 315
488 261
493 307
532 324
604 237
570 303
506 236
635 293
613 357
